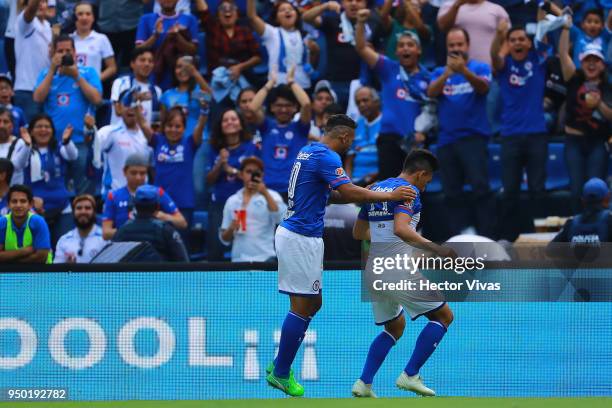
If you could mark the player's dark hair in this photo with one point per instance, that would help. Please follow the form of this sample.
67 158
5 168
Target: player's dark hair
6 166
137 52
5 111
338 124
283 91
463 30
62 38
420 160
20 188
515 29
594 11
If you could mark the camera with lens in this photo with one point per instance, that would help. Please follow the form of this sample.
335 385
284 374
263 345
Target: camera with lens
256 176
67 60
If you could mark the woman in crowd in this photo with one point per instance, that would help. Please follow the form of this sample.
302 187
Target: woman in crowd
93 49
283 41
190 90
230 143
588 115
46 172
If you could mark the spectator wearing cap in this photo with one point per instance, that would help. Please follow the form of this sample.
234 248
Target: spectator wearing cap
145 92
119 204
170 35
361 163
594 224
24 236
33 36
228 44
282 138
6 101
250 216
85 241
521 72
15 149
588 110
461 90
322 97
407 18
69 92
343 63
114 143
6 173
93 49
148 227
404 87
594 30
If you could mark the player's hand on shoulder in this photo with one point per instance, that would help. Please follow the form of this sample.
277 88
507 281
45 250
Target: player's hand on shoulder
403 193
447 252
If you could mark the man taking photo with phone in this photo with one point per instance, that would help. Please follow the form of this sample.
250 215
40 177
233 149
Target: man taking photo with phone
250 216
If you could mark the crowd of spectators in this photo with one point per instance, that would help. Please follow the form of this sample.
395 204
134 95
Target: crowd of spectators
210 103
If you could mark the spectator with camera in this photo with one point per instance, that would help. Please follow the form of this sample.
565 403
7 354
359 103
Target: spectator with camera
119 204
13 148
24 236
69 92
6 101
85 241
33 35
250 216
461 89
282 138
588 112
404 86
145 93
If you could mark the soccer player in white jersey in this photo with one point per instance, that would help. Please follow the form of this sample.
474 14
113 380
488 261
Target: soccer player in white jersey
393 225
299 244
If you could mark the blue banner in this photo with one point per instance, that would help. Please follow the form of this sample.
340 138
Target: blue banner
210 335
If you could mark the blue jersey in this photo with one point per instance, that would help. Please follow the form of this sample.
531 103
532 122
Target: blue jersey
146 27
51 186
38 227
4 208
364 148
67 104
119 206
399 106
381 215
461 111
581 40
188 101
279 148
174 169
228 184
522 85
315 172
19 119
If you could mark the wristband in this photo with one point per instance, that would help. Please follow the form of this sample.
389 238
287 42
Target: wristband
65 142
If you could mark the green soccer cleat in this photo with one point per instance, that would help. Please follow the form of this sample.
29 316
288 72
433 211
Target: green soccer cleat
287 385
270 369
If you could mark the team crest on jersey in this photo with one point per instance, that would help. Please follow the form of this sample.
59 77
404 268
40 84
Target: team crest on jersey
81 59
63 99
400 93
339 171
341 39
281 152
289 135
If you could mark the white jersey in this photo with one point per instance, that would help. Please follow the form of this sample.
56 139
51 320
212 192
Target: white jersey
125 83
83 249
294 50
92 50
117 142
19 157
31 51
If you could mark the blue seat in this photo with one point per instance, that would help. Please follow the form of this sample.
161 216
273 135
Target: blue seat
495 168
200 220
557 176
435 186
202 53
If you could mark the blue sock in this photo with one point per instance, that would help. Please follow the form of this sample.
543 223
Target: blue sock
379 349
425 345
305 330
292 334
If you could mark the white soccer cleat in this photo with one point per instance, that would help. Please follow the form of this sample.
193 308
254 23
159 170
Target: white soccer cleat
361 390
415 384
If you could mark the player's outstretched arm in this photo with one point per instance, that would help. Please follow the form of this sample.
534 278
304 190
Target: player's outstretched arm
350 193
402 229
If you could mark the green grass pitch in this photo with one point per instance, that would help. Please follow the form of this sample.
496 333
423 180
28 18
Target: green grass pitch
439 402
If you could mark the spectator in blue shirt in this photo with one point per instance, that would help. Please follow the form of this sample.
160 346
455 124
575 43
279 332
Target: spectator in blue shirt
594 29
69 93
6 100
230 144
521 73
461 88
282 138
361 163
24 236
169 34
189 91
404 86
46 171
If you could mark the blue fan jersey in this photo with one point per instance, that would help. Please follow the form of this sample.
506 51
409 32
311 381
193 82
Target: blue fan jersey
316 170
381 215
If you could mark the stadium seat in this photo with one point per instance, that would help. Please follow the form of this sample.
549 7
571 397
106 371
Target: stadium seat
495 166
435 186
556 173
203 62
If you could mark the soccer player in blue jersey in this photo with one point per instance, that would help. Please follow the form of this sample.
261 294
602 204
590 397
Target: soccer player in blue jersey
394 223
299 244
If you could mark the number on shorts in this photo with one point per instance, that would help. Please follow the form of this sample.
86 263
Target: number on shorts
293 179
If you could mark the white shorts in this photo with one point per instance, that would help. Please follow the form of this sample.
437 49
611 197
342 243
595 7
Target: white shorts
388 310
300 263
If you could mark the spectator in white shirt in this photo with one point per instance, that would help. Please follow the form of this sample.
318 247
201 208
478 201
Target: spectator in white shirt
32 38
17 150
85 241
141 63
92 48
114 143
250 216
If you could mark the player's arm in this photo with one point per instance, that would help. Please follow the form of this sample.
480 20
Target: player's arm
361 230
350 193
176 219
402 229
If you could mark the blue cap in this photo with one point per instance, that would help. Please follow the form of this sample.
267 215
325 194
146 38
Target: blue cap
147 194
595 189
